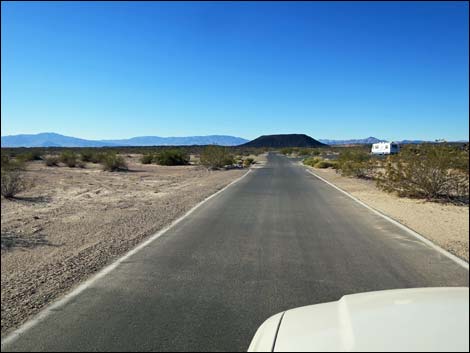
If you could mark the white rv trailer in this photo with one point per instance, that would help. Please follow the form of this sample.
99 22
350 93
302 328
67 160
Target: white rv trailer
385 148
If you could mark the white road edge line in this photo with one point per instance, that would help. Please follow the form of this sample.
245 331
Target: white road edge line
44 313
444 252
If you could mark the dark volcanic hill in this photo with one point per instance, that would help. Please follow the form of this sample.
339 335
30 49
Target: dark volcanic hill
287 140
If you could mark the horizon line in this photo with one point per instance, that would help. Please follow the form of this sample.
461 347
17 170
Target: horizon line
225 135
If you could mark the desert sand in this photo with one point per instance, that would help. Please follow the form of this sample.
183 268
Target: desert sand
75 221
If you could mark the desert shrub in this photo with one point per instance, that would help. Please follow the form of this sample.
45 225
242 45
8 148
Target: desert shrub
12 182
311 161
429 172
51 161
5 160
80 164
459 160
355 163
315 152
216 157
29 156
113 162
355 169
69 158
86 156
304 152
98 157
9 163
287 150
248 161
147 158
172 157
325 164
318 162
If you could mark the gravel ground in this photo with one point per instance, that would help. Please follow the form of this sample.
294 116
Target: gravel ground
445 224
74 222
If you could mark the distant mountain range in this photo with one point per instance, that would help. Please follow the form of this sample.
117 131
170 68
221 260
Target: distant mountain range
371 140
49 139
287 140
367 140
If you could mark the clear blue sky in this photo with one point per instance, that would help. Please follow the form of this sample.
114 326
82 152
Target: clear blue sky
327 69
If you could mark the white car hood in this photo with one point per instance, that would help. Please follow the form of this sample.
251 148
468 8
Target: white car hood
425 319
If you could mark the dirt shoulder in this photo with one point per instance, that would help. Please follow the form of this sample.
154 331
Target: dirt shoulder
446 225
74 222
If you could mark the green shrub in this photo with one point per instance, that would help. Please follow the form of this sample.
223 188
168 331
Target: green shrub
318 162
315 152
216 157
51 161
248 161
325 164
355 163
5 161
86 156
113 162
311 161
172 157
69 158
287 150
12 164
429 172
304 152
29 156
147 158
98 157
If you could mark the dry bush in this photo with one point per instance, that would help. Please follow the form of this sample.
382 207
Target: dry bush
355 163
323 164
430 172
69 158
216 157
287 150
87 156
12 182
172 157
51 161
113 162
311 161
30 156
98 157
318 162
304 152
147 158
316 152
248 161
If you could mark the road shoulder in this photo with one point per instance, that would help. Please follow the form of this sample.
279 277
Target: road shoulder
445 225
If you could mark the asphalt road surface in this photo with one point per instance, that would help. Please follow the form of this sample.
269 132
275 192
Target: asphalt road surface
279 238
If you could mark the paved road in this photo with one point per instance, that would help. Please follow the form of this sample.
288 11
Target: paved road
278 239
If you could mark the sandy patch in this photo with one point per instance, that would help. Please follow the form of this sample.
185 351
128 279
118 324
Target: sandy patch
75 221
445 224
